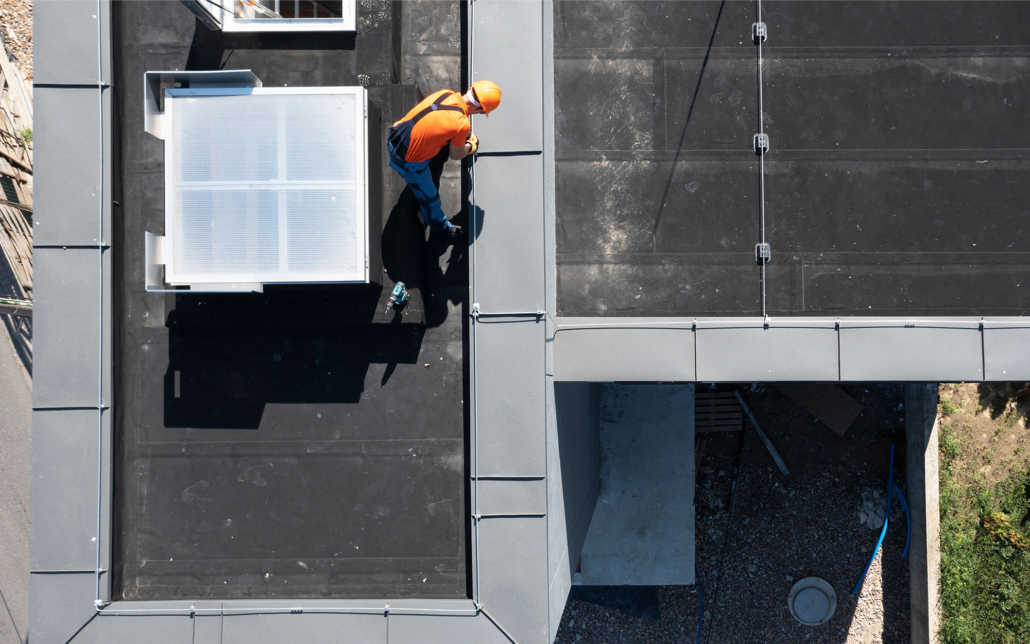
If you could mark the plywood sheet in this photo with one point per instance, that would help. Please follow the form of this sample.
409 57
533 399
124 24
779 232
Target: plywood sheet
828 403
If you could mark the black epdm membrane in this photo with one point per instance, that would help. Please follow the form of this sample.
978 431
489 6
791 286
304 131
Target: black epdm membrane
896 181
296 443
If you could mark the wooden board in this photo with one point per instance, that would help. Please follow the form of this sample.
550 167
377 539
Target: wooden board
717 411
828 403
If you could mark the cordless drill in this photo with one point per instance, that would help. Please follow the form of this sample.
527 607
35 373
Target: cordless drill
398 296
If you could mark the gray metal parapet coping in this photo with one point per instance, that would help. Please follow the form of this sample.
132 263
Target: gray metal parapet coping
786 349
74 601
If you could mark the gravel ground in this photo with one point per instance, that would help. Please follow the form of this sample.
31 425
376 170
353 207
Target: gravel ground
16 17
783 529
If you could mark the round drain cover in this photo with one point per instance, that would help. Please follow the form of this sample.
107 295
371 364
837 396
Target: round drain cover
812 601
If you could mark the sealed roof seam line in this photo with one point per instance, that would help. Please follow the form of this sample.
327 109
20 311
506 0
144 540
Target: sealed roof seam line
488 615
474 403
102 86
230 611
102 246
90 408
761 151
98 603
791 321
983 349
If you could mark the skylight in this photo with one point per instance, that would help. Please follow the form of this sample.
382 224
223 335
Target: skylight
265 185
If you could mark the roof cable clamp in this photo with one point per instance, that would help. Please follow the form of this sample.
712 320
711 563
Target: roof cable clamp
475 310
761 143
759 32
763 253
766 321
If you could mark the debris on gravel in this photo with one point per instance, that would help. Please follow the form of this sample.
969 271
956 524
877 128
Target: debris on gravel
783 529
16 20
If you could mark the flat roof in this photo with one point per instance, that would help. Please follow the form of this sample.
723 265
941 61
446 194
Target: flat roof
295 443
894 182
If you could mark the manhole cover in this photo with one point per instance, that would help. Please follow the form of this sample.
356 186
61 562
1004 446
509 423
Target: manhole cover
812 601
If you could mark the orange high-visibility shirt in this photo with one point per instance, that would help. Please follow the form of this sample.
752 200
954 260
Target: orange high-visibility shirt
438 128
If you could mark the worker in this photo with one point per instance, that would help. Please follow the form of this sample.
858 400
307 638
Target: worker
442 119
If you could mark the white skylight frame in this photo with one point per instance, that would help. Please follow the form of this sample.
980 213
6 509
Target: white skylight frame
243 280
231 22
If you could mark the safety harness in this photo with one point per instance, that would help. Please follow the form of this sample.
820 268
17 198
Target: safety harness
400 134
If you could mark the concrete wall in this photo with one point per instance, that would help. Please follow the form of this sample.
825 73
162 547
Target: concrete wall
924 505
573 466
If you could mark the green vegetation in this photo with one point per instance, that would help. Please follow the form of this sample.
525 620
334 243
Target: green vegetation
26 135
985 552
948 408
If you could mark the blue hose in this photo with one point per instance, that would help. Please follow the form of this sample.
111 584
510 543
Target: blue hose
886 520
701 598
908 518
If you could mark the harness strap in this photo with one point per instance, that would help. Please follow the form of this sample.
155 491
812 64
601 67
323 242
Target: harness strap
436 105
400 134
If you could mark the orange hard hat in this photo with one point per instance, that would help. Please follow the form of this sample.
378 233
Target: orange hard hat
488 94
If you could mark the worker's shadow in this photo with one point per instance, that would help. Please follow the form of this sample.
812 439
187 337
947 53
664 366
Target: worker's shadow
434 269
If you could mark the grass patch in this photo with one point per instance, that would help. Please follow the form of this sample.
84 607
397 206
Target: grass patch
985 553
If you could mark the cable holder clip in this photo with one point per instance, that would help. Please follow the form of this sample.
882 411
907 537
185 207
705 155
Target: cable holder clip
759 32
761 143
763 253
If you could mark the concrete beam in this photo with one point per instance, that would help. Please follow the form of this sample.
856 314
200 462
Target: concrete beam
924 557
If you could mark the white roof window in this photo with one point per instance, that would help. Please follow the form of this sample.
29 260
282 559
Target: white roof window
277 15
263 186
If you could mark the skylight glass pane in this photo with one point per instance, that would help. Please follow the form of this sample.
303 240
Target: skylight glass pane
227 231
224 138
265 187
318 237
316 146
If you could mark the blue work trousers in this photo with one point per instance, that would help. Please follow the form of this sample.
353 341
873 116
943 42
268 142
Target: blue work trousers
420 181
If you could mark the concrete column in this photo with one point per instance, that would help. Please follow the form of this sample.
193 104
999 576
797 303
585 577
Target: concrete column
924 557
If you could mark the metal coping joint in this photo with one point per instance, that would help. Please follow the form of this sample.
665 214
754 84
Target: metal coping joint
477 313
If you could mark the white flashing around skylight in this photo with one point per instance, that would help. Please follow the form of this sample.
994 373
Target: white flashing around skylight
265 185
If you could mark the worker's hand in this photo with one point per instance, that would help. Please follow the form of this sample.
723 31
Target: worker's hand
472 144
